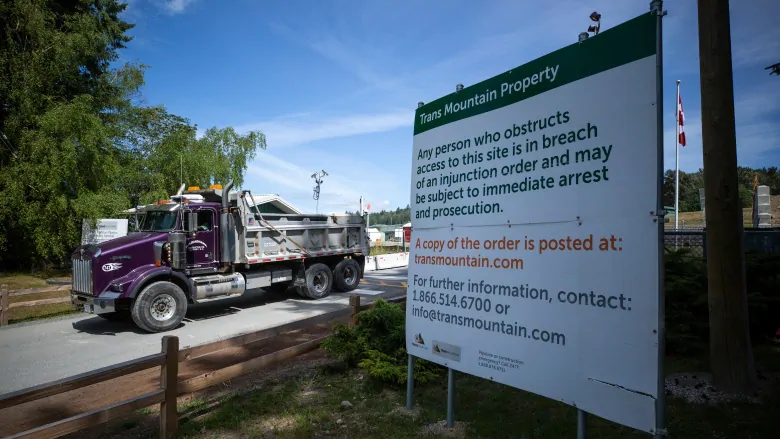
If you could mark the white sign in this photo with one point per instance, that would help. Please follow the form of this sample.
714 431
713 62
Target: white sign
106 229
535 256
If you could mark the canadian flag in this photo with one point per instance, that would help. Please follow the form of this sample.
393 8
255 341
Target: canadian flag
680 120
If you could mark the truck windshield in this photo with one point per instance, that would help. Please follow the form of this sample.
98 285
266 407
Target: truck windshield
158 222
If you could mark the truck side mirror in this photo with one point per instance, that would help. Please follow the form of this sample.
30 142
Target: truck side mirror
192 222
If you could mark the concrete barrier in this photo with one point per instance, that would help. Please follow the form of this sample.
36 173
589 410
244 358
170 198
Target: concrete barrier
392 260
370 263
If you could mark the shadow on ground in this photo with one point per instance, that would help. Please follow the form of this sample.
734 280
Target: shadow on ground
195 313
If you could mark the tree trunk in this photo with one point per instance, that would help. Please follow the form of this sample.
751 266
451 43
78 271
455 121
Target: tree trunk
731 354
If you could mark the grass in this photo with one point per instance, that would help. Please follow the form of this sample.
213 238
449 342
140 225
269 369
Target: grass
26 314
695 219
310 405
21 281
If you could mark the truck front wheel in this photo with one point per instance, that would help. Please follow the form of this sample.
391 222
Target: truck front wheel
159 307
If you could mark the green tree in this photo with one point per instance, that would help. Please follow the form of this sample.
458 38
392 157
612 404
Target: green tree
390 217
73 143
691 182
58 98
689 190
164 151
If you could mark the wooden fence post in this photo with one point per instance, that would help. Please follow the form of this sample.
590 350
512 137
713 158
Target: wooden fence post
169 375
3 305
354 301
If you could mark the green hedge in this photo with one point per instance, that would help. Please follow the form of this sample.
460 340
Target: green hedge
687 315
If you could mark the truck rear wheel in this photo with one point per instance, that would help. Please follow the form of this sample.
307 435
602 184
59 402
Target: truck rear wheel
319 282
159 307
301 290
346 275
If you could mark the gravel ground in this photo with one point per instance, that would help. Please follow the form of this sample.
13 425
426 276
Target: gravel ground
697 388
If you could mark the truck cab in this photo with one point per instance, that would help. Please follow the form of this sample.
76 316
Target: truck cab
209 244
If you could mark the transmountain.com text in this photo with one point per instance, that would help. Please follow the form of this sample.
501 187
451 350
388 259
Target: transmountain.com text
470 261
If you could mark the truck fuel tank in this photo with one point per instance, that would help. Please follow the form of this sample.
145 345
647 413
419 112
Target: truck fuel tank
219 285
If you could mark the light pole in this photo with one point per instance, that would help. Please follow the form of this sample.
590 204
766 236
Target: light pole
318 180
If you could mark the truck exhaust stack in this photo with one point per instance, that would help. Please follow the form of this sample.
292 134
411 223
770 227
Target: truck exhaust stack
226 255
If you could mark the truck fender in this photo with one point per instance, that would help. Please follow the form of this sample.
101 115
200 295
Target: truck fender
158 273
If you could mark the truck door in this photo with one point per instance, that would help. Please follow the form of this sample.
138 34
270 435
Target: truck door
201 248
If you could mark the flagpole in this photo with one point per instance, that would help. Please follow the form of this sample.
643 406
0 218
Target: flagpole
677 159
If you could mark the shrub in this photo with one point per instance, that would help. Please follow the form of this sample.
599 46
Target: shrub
377 344
685 282
687 313
763 290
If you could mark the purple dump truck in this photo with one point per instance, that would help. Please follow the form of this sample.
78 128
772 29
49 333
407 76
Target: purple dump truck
207 244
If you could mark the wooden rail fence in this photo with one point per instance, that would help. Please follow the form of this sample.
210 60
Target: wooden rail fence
5 294
165 395
170 387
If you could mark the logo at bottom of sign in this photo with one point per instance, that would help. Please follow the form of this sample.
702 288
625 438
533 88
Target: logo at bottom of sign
418 341
446 350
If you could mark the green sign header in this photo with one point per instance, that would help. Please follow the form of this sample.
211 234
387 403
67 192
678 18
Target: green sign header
630 41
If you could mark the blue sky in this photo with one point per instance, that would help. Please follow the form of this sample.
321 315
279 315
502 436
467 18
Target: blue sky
334 84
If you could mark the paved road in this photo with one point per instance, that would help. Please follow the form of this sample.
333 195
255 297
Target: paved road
39 352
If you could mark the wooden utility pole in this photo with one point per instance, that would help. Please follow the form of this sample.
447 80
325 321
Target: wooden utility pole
731 354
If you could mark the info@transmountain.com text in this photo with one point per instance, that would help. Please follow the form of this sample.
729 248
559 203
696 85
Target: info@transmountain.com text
490 325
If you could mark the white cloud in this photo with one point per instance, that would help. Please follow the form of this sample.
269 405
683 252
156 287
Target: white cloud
501 44
757 130
755 134
136 9
176 6
332 48
306 128
755 37
340 190
132 10
756 105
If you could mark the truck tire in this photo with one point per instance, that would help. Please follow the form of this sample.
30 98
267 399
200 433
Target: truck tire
346 275
301 290
319 282
159 307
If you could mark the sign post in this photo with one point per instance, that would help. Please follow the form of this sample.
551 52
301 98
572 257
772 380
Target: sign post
657 10
536 203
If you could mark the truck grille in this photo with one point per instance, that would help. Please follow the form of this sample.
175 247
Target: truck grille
82 276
